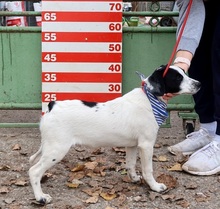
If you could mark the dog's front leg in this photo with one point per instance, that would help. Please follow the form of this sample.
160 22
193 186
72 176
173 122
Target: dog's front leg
131 158
146 153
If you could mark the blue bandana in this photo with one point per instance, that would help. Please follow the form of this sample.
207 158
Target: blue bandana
158 107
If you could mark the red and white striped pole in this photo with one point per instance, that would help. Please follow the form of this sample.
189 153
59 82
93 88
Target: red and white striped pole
81 50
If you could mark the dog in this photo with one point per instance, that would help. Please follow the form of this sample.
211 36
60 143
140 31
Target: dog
127 121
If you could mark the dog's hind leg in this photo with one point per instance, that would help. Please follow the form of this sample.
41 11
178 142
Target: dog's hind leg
131 158
52 153
146 154
34 158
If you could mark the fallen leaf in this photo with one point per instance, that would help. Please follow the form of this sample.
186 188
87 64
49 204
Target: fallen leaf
16 147
9 200
176 167
4 190
93 191
183 204
168 180
93 199
162 158
21 182
76 175
119 149
108 207
4 168
157 146
168 197
108 196
201 197
153 195
191 185
91 165
78 167
74 184
98 151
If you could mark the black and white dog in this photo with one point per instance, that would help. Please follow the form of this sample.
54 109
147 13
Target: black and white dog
128 121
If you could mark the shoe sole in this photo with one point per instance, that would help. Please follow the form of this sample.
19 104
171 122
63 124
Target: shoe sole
176 153
205 173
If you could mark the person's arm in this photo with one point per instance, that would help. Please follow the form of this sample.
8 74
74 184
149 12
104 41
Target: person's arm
191 35
192 32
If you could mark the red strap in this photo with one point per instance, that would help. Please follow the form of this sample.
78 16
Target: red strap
179 38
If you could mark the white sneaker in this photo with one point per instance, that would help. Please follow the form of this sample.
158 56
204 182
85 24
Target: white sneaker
193 142
205 161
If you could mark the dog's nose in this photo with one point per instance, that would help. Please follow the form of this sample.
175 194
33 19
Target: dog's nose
197 85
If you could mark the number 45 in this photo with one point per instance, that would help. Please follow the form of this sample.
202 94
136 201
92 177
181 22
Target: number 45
50 57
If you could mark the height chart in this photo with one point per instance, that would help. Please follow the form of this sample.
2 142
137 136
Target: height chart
81 50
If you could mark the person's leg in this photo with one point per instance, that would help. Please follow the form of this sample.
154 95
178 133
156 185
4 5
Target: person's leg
206 161
216 72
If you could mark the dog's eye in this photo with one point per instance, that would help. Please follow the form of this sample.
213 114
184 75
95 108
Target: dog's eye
179 77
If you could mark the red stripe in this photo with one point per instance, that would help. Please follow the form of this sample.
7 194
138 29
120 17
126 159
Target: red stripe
82 37
119 1
84 16
82 77
95 97
81 57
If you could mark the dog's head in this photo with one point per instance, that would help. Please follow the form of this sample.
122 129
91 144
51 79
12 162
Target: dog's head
175 81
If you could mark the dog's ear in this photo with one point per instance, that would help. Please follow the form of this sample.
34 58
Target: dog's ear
157 82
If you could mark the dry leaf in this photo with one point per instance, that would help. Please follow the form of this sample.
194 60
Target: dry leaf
98 151
93 199
74 184
157 146
108 196
91 165
16 147
9 200
168 180
79 167
76 175
176 167
201 197
93 191
4 168
183 204
4 190
168 197
191 185
119 149
153 195
21 182
162 158
108 207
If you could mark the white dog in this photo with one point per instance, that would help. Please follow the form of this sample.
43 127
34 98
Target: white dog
128 121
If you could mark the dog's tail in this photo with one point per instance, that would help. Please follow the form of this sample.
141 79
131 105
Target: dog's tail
35 157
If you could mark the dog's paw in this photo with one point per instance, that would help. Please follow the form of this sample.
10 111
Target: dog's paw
159 187
135 178
44 199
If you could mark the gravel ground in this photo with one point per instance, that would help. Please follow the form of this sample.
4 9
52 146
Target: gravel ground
96 178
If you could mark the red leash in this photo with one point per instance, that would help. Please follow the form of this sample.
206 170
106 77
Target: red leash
179 38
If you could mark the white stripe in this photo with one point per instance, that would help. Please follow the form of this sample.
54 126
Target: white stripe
77 6
78 67
78 87
80 47
78 27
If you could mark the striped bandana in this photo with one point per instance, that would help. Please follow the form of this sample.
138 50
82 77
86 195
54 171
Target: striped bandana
158 107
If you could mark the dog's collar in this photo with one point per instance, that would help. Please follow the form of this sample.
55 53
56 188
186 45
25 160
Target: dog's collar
158 107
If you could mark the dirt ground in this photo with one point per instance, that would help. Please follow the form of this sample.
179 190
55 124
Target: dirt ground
96 178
